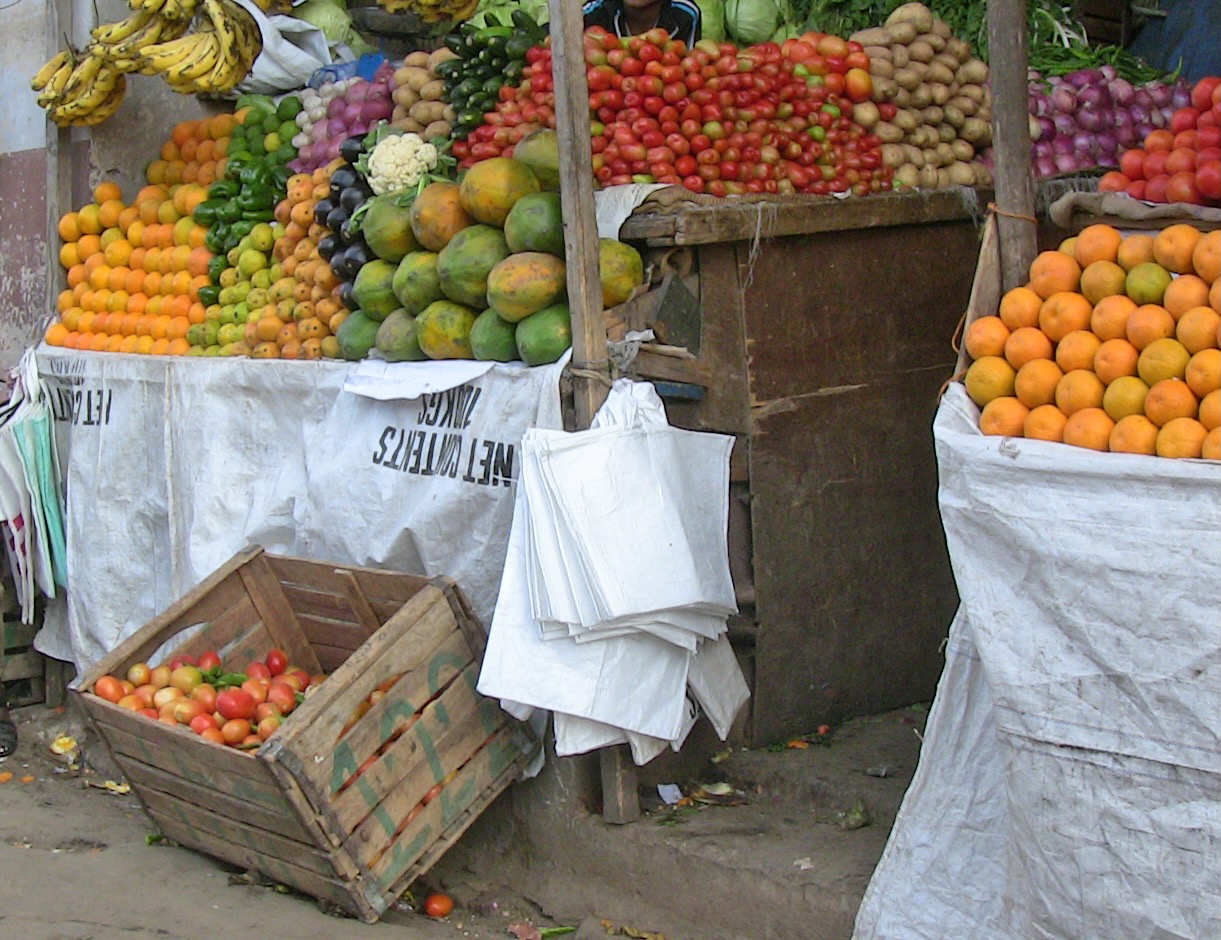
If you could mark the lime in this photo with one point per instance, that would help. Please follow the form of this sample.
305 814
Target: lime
288 130
289 107
256 146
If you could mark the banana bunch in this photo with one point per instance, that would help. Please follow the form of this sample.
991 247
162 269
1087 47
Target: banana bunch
167 9
433 11
212 59
79 89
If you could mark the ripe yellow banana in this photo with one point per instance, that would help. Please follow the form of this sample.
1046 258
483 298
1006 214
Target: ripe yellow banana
54 89
178 9
199 63
162 56
43 76
110 33
83 74
96 110
148 6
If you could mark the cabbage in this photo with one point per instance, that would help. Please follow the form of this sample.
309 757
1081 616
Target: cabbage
751 21
712 19
331 16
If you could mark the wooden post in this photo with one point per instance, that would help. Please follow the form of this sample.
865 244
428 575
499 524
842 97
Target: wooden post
1007 44
620 803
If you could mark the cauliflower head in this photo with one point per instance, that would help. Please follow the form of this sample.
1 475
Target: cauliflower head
400 162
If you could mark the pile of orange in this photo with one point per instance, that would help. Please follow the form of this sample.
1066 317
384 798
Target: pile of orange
195 152
305 311
1114 344
134 271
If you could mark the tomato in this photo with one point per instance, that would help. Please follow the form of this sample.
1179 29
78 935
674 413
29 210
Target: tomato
1113 182
1155 188
200 723
209 660
1155 163
1183 119
182 659
256 689
268 726
282 695
160 676
235 703
1181 187
138 673
1208 180
1207 137
1204 92
145 693
1188 139
858 85
109 688
1160 139
186 710
277 661
1180 160
205 692
438 905
1136 189
257 670
185 678
832 46
212 734
1132 163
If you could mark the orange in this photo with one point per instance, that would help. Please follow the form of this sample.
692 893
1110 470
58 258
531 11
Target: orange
56 334
1063 312
1025 344
1134 250
1045 423
197 282
1089 427
1147 283
1174 245
167 214
89 220
115 343
1208 415
177 305
144 345
177 347
1170 399
135 233
134 282
1147 323
1197 328
1185 291
1125 396
156 172
109 212
1078 390
129 343
88 246
220 126
69 255
1206 257
149 208
118 252
1162 359
1181 437
1102 279
77 275
1114 359
99 342
127 216
1098 242
180 234
1211 449
63 300
69 227
1076 350
1034 385
1203 372
160 346
1052 272
1134 434
99 277
1110 316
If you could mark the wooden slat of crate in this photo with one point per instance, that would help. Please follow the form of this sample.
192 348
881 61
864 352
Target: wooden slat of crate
477 783
277 614
179 823
22 668
307 583
431 749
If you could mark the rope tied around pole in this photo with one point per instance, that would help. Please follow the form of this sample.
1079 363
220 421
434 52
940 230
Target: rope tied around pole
997 210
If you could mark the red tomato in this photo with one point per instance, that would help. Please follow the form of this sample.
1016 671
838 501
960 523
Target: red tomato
268 726
234 730
1208 137
438 905
201 723
1180 160
1181 187
1183 119
109 688
186 710
208 660
257 670
205 692
1155 163
1204 92
277 661
1160 139
1155 188
283 696
1113 182
235 703
256 689
858 85
1132 163
1208 180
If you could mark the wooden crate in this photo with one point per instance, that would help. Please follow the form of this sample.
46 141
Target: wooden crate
22 668
355 817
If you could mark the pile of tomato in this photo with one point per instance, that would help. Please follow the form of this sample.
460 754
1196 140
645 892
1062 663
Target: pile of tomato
240 709
1181 162
713 118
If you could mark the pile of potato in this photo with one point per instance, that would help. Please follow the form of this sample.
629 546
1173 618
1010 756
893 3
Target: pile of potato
417 95
942 103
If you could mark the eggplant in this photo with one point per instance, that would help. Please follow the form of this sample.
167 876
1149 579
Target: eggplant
352 198
342 178
336 217
345 295
361 253
352 148
321 208
329 246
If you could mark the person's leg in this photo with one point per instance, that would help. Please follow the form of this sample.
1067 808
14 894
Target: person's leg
8 730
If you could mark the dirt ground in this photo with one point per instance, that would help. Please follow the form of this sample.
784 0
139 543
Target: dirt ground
787 858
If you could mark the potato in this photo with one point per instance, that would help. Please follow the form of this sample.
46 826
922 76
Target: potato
915 156
448 114
437 56
941 74
933 40
939 92
902 32
948 61
433 90
922 97
976 131
931 157
417 59
906 120
945 153
915 13
415 77
885 89
887 132
404 96
906 78
865 113
408 124
957 48
428 111
983 176
437 129
962 150
985 113
920 68
902 98
943 178
941 28
927 177
906 177
881 68
921 51
973 72
877 53
398 113
893 155
877 36
899 55
932 115
953 116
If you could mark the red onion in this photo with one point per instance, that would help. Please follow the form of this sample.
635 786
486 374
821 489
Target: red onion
1062 145
1081 78
1108 73
336 127
334 107
1084 143
1159 94
357 93
1047 128
1042 150
1122 91
1126 135
1180 97
360 127
1143 98
1094 97
375 109
1064 123
1092 120
1063 100
1045 166
1108 144
1067 163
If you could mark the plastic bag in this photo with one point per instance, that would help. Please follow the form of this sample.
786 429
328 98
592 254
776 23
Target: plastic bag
292 51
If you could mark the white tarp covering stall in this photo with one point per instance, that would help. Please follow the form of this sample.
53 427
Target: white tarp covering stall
172 465
1070 779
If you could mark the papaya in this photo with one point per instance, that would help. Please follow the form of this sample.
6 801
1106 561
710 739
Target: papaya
490 188
387 228
373 290
540 151
492 338
357 334
542 337
437 215
620 269
416 283
464 264
397 339
536 223
524 283
443 330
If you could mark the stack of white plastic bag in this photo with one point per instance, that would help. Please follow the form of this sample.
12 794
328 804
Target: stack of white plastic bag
616 588
31 513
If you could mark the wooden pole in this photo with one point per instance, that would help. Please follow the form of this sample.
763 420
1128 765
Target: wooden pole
591 371
1016 225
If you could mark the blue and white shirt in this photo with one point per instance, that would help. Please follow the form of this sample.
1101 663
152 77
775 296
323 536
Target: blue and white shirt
680 18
